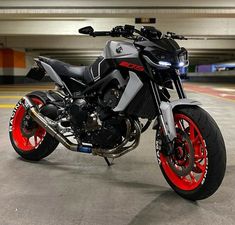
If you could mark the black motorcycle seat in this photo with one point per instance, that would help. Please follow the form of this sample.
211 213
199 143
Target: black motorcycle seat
64 69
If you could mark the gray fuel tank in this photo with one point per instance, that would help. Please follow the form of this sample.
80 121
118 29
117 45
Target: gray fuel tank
119 49
112 53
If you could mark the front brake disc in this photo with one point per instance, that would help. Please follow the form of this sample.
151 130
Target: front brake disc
182 160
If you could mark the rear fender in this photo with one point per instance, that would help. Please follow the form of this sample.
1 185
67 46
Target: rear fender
37 72
47 97
39 94
53 75
49 108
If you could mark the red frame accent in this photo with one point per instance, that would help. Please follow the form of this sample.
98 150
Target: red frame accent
198 174
131 66
23 143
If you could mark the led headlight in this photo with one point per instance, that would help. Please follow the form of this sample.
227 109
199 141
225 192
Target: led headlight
183 58
165 64
181 64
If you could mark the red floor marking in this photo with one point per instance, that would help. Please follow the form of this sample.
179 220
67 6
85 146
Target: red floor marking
210 90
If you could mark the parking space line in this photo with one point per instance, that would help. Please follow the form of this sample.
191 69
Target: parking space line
21 89
10 97
7 106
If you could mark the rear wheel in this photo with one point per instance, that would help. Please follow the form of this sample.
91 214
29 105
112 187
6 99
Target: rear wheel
197 167
30 140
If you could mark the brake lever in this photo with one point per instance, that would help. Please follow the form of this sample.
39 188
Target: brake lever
117 31
125 31
175 36
181 37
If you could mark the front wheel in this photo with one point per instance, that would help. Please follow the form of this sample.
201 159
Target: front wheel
197 167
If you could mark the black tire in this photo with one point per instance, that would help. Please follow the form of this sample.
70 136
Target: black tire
215 159
45 146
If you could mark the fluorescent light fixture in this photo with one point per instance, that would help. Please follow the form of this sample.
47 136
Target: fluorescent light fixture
163 63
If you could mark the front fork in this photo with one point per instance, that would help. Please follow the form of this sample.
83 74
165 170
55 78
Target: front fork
178 85
165 114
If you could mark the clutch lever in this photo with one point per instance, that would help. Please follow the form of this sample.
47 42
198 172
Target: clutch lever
175 36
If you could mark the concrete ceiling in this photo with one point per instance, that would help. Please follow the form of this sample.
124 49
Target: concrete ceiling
50 28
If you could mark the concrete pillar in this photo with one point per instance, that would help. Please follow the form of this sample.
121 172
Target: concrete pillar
12 65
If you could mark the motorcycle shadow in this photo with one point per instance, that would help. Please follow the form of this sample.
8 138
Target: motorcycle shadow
167 208
119 174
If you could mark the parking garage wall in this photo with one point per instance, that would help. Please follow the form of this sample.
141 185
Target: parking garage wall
213 77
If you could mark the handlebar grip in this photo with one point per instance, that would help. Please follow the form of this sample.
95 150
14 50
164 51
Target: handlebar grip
101 33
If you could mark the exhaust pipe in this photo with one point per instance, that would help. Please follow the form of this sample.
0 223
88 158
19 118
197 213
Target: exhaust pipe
121 149
39 118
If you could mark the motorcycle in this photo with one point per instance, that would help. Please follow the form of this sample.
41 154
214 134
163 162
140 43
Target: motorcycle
98 109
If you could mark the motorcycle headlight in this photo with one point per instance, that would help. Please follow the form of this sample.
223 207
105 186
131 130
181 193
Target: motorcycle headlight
183 58
164 63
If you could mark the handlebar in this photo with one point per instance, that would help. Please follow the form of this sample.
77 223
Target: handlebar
128 31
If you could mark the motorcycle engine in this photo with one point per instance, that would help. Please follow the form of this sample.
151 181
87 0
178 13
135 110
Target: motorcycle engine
101 129
111 97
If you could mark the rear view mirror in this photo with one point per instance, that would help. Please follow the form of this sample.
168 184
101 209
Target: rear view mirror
86 30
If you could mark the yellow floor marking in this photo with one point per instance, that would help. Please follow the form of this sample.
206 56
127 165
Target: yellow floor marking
14 92
7 106
22 89
23 86
10 97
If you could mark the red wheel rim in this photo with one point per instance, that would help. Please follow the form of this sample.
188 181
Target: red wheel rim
197 176
21 141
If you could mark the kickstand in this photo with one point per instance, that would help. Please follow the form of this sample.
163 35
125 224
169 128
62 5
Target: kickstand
108 162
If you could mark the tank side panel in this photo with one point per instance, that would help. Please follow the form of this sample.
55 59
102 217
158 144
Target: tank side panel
120 49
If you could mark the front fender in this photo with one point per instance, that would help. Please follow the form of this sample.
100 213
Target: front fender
167 112
184 101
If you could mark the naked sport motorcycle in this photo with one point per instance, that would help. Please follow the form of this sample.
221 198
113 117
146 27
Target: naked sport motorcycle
100 109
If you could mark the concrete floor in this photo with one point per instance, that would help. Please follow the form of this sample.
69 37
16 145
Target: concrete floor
76 189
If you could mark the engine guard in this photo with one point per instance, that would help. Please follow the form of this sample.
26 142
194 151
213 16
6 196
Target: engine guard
167 112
